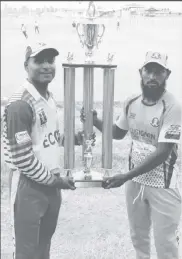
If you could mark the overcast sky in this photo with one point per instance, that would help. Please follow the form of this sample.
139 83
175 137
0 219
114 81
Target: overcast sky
173 5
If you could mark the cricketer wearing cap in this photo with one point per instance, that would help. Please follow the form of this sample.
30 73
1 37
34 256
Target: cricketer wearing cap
32 142
153 120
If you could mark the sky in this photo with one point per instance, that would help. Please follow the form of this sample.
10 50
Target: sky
173 5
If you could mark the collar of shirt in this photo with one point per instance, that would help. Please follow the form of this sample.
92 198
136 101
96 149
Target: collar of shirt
36 95
33 91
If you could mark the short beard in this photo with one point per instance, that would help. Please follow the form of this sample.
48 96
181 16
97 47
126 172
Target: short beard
153 94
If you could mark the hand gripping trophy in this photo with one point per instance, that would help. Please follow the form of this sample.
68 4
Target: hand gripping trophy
90 33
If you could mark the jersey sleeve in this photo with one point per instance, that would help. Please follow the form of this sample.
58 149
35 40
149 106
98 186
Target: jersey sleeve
19 119
121 121
171 127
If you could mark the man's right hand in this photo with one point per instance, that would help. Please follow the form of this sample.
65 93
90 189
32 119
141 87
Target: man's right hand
65 183
83 116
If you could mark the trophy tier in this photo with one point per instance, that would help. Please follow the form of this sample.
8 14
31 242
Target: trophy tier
88 180
84 180
76 65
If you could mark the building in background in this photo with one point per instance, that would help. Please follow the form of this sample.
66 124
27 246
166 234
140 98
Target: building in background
161 12
134 9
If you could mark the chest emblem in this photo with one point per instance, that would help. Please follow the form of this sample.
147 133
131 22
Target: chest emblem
132 115
42 117
155 122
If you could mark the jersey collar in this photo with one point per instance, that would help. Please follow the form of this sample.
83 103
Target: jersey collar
33 91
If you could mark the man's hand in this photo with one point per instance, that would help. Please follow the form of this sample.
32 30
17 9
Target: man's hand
83 116
114 181
79 138
65 183
93 138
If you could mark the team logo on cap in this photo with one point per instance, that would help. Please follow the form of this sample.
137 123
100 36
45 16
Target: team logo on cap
155 122
156 55
42 44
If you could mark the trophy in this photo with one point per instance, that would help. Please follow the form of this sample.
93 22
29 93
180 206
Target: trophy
90 33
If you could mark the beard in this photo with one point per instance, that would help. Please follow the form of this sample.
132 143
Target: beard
153 93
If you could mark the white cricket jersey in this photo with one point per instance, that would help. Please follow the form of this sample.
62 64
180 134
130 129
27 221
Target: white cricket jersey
46 129
32 134
149 125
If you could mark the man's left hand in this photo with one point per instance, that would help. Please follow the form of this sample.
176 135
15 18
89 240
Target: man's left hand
79 138
114 181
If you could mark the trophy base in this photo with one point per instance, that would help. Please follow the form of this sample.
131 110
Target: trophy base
81 180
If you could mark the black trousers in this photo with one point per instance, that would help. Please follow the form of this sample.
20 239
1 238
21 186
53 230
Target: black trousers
36 211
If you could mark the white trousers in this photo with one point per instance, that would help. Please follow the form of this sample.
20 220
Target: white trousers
157 207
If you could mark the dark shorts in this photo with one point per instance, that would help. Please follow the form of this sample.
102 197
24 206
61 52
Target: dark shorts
36 211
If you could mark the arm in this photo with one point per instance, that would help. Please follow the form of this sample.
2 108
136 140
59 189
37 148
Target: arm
19 123
152 161
117 132
119 129
169 136
159 156
78 139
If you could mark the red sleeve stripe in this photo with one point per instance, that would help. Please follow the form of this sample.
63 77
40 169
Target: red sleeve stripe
22 152
42 177
25 160
47 178
7 161
21 158
33 165
45 173
22 162
37 173
16 148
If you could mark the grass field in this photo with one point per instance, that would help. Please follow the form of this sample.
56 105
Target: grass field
93 222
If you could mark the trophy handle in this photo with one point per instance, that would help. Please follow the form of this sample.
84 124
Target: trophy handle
103 30
80 34
107 172
69 173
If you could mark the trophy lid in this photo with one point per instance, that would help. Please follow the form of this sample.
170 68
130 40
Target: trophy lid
91 15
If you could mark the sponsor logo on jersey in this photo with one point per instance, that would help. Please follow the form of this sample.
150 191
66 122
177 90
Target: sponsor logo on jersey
42 117
136 133
52 138
173 132
155 122
22 137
